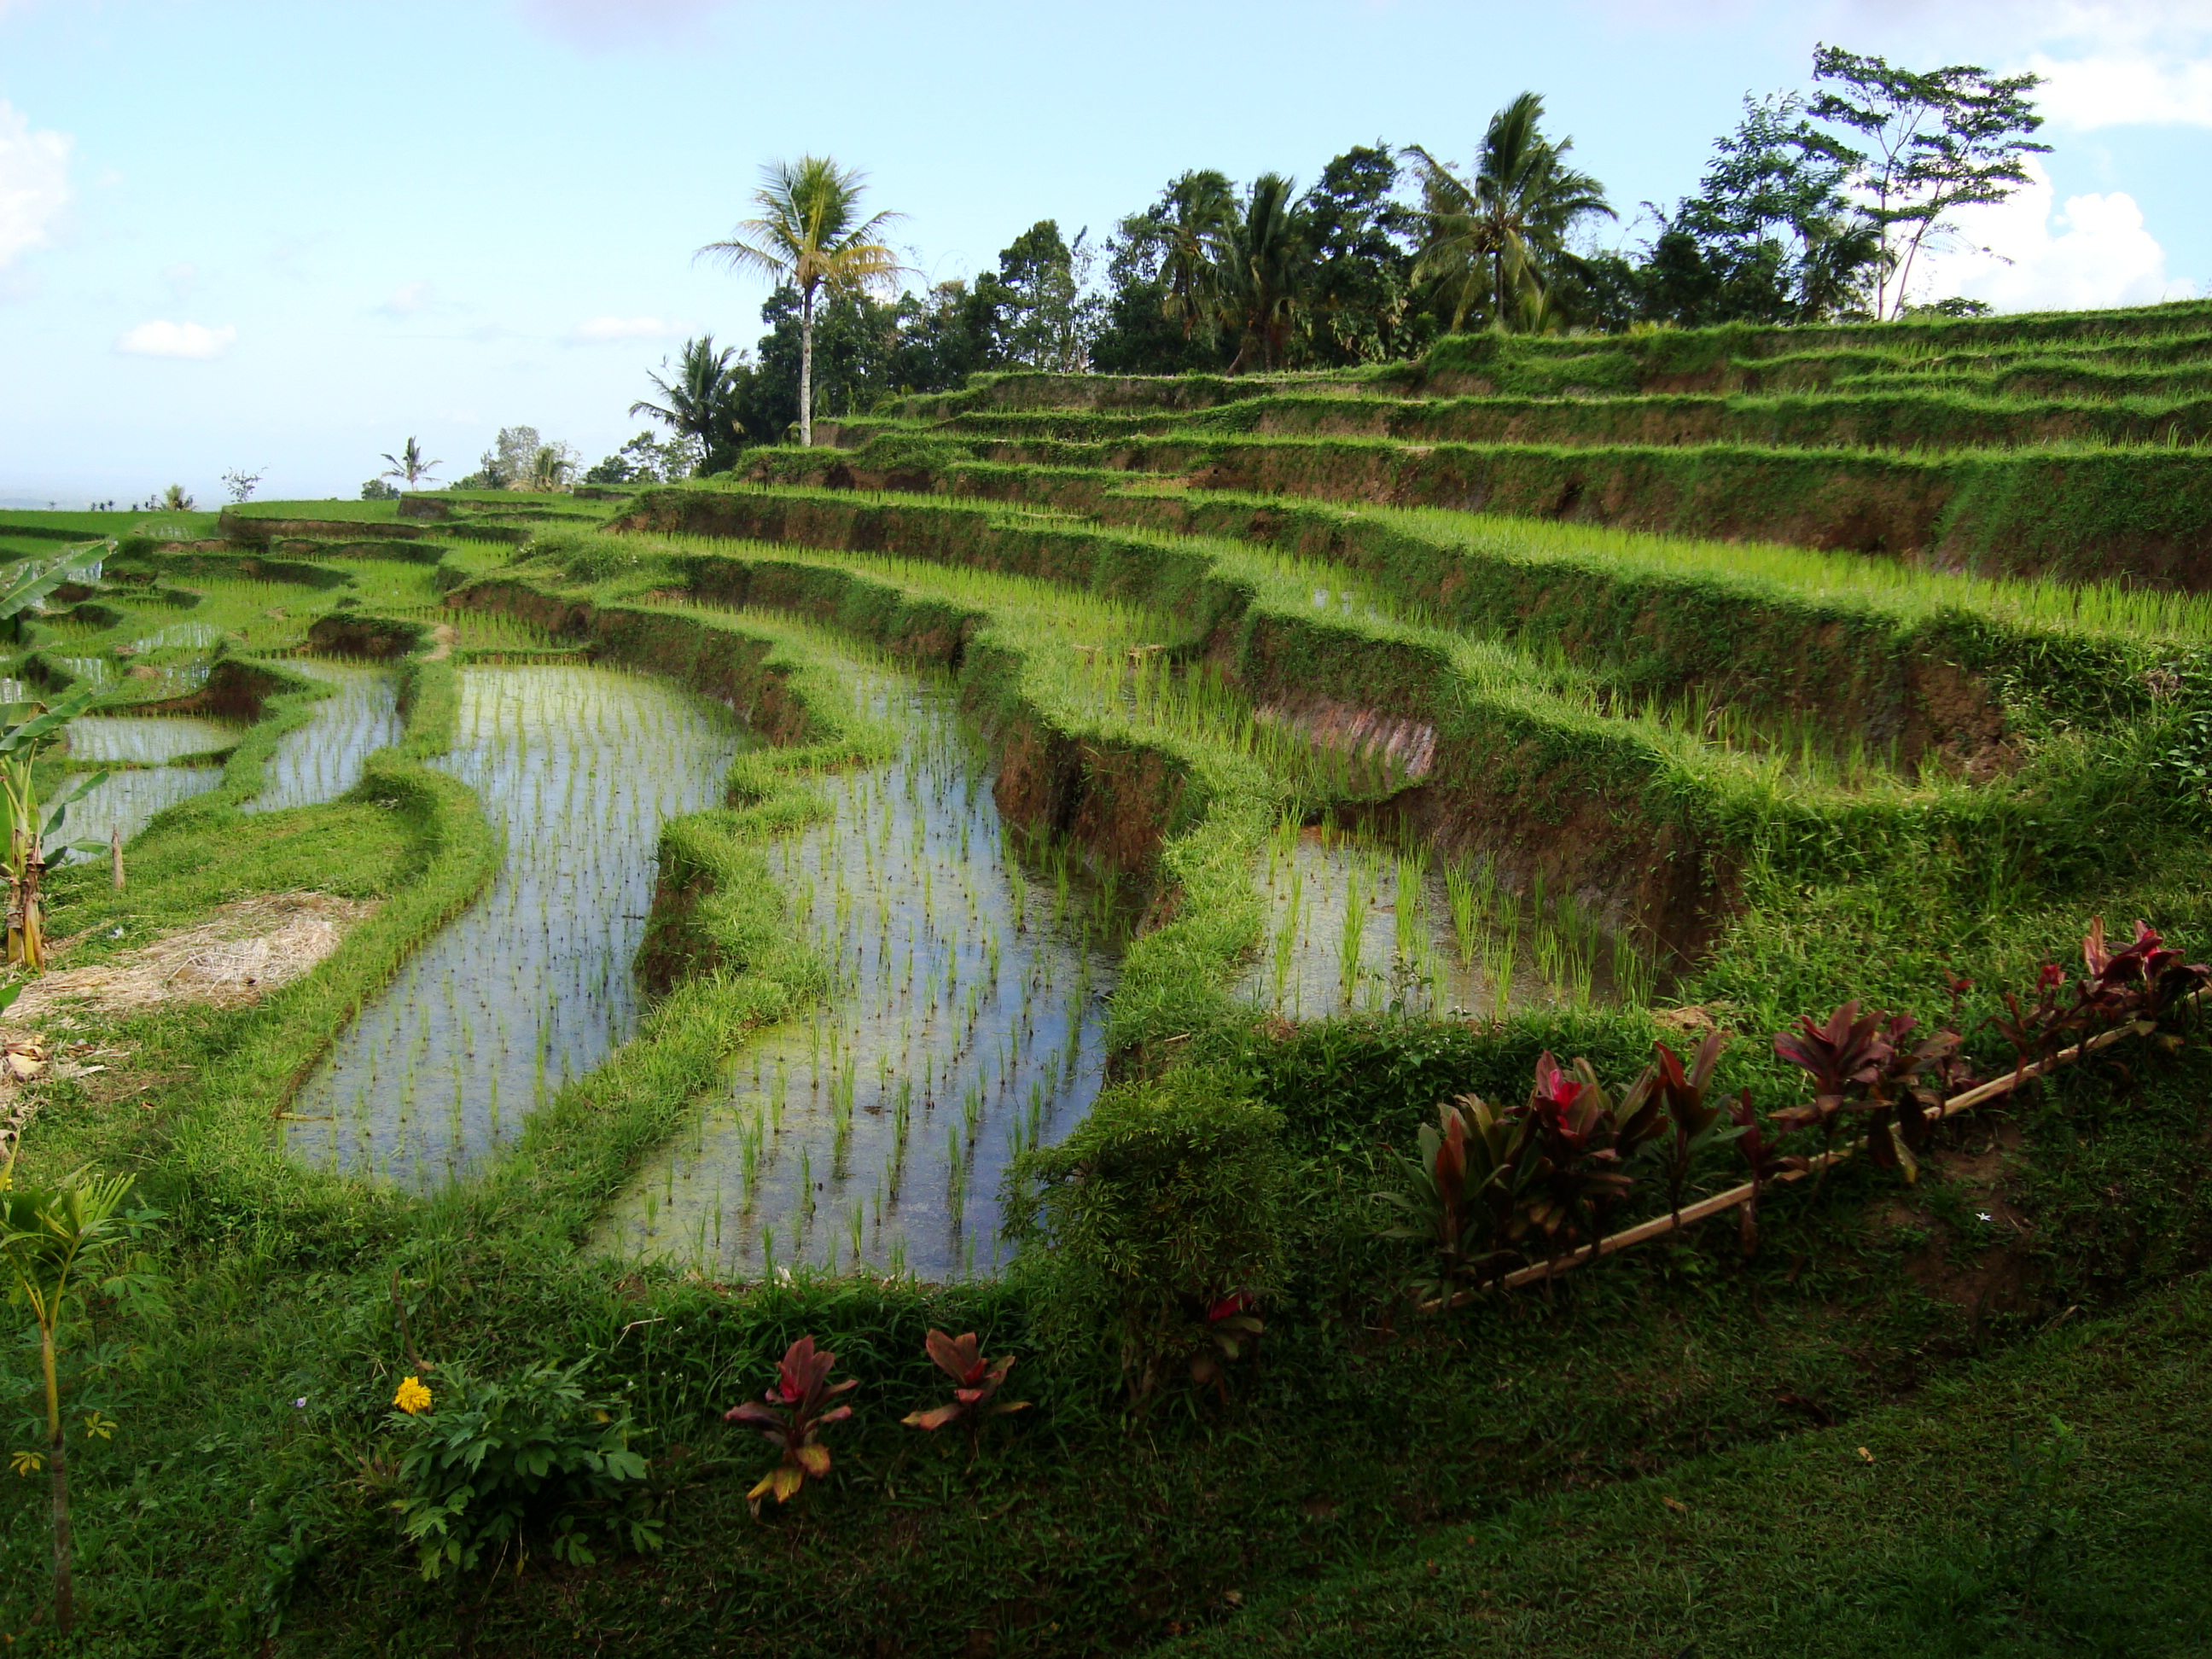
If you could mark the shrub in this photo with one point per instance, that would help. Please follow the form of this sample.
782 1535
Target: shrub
791 1417
493 1464
1165 1203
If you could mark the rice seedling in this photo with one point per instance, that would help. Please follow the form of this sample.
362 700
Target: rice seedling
531 985
936 1003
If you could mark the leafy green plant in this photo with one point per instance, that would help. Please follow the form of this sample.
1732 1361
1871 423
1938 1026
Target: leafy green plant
1460 1193
2040 1473
975 1395
1167 1198
56 1243
491 1465
791 1417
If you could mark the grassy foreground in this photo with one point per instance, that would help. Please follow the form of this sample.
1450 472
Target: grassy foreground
2051 1502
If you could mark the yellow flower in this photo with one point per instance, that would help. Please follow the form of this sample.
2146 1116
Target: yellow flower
412 1397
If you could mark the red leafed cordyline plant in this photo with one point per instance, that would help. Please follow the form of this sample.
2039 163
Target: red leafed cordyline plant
1868 1065
1692 1126
792 1416
1765 1163
978 1383
1487 1179
1232 1324
2145 983
1489 1182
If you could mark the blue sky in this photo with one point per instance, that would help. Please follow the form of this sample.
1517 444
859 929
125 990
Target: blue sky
287 236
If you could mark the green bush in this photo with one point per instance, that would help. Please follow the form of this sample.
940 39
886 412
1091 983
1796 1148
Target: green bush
1167 1201
494 1466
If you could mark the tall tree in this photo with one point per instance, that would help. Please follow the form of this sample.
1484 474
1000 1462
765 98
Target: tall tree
1361 239
410 465
1264 263
1035 308
1494 241
1163 311
809 235
1772 236
700 402
1938 140
942 337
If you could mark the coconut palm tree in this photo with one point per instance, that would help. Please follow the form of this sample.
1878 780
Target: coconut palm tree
1200 208
697 401
1263 262
409 464
1493 241
809 235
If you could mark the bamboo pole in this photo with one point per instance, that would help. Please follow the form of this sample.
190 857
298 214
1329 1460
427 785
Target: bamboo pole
1660 1226
115 854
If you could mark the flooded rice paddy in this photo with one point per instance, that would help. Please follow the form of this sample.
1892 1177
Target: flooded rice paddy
144 744
125 802
323 759
1356 924
147 739
531 985
966 1023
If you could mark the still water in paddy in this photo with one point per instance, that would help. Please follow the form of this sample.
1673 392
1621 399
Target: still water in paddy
1355 923
129 798
323 759
966 1023
531 985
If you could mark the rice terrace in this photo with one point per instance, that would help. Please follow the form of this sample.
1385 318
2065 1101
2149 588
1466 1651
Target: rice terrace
1405 916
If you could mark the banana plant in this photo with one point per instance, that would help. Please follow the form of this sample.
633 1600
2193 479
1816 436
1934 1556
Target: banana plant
26 731
28 585
57 1243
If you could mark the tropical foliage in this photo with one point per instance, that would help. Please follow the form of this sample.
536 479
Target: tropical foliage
1495 239
808 233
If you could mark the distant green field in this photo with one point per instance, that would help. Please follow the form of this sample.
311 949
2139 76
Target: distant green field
28 534
336 507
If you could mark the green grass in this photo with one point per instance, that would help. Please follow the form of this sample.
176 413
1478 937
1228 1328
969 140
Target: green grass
1908 590
2048 1502
336 509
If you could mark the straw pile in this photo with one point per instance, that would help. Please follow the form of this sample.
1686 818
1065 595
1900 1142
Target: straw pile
243 951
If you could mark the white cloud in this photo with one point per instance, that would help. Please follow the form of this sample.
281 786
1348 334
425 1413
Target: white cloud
2093 252
600 330
406 300
2124 89
163 339
33 182
602 23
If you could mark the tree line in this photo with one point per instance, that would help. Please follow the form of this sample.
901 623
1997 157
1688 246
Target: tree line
1818 205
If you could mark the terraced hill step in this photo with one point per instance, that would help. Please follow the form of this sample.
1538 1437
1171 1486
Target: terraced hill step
1652 804
1902 415
2143 514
